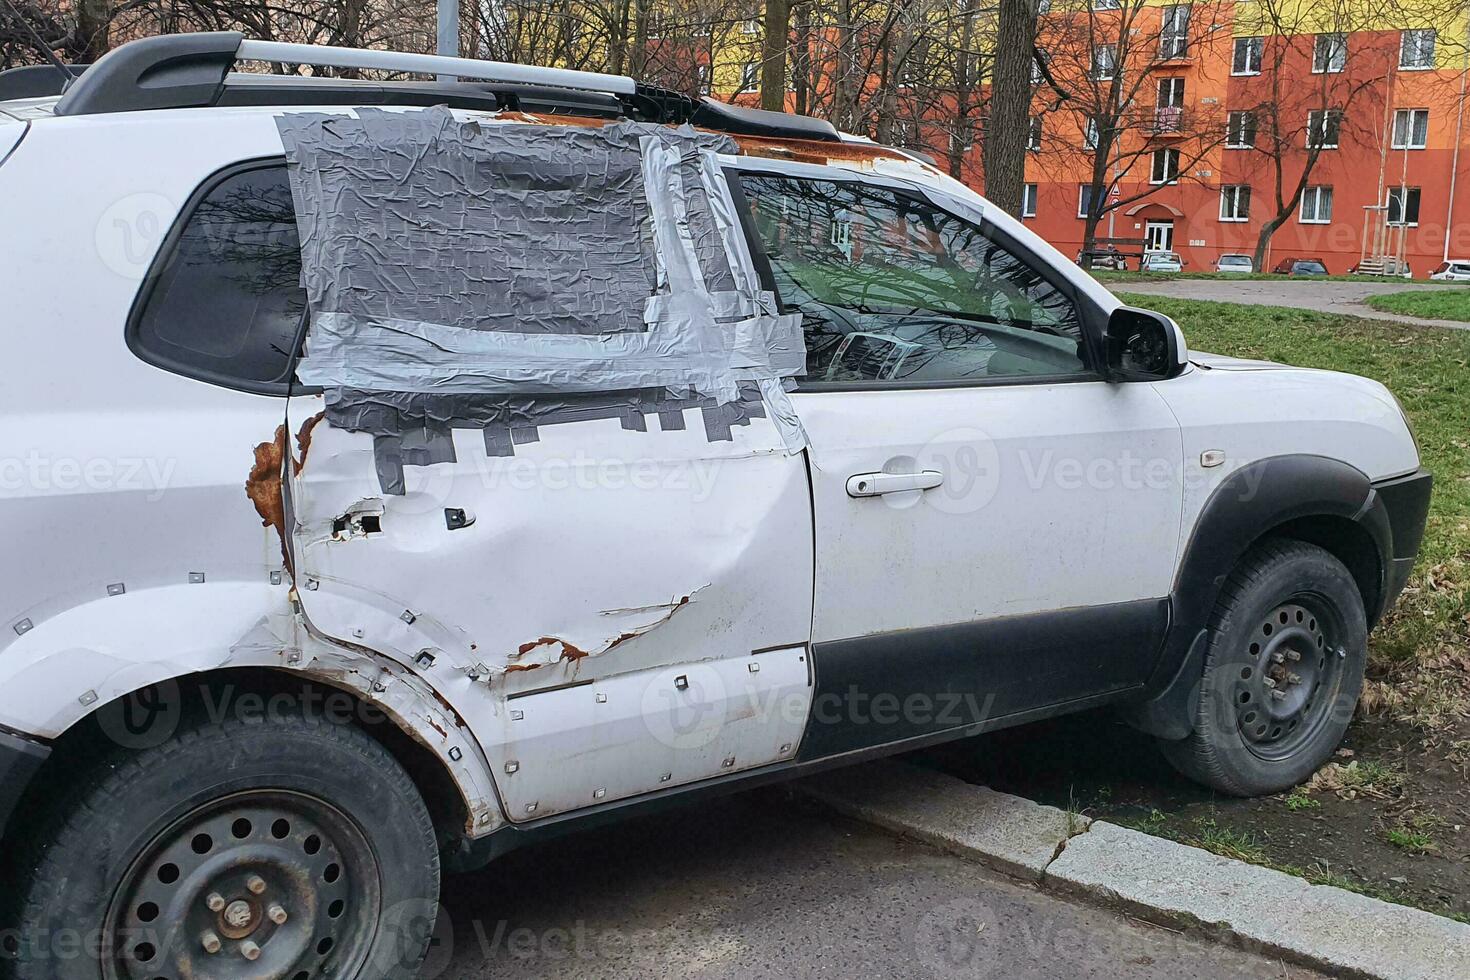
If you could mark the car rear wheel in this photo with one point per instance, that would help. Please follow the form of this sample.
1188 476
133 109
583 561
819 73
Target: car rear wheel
1283 671
289 848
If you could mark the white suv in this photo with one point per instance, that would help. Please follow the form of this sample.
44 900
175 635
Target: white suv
399 471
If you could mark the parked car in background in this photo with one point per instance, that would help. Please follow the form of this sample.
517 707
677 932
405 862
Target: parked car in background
1162 262
1234 262
1103 258
1300 267
1455 270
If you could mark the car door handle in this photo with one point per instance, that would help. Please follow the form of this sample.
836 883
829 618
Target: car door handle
875 484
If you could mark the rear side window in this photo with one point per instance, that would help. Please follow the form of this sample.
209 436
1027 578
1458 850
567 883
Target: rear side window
223 301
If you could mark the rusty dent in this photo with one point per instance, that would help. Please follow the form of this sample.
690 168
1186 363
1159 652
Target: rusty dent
567 652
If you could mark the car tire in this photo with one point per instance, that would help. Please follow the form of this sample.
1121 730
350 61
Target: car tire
1287 647
282 846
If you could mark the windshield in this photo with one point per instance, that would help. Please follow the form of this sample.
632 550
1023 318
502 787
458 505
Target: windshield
891 287
1235 261
1313 267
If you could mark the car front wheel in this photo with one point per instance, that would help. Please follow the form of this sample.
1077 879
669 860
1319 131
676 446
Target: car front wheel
288 847
1288 644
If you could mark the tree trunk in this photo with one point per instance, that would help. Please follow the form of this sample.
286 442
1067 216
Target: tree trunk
1263 242
1010 105
801 71
965 69
773 55
93 22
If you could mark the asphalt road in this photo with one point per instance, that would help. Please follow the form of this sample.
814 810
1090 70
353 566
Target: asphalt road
1332 296
766 885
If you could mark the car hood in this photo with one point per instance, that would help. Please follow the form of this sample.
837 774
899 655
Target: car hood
1218 362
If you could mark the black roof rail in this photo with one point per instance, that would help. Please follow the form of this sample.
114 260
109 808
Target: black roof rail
36 81
178 71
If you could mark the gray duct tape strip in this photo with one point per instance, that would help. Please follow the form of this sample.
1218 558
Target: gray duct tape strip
508 275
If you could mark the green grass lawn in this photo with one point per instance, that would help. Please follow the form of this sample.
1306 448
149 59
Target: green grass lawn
1435 304
1423 648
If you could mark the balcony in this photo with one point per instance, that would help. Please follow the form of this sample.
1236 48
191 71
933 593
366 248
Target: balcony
1168 121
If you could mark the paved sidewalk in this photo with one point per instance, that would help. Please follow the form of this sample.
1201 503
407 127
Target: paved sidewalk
1332 296
763 885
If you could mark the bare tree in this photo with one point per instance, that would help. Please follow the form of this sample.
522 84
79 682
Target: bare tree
1320 83
1110 81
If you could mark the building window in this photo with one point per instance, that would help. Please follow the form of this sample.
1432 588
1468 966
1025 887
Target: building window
1174 33
1323 126
1403 205
1240 130
1104 62
1235 202
1107 4
1316 206
750 75
1033 135
1416 49
1165 168
750 26
1410 129
701 77
1028 201
1247 60
1169 109
1086 203
1090 133
1329 54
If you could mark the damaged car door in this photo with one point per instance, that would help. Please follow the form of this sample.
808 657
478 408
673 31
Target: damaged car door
526 474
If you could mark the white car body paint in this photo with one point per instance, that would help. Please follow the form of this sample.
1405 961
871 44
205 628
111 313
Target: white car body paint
628 611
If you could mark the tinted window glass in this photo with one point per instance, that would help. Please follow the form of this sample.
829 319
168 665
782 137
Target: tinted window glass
893 289
227 302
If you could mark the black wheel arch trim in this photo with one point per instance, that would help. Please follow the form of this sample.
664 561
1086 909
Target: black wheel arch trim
20 760
1247 506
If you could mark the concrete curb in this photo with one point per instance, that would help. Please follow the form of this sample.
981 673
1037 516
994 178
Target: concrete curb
1325 928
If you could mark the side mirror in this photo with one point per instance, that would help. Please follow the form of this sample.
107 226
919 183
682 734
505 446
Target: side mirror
1143 346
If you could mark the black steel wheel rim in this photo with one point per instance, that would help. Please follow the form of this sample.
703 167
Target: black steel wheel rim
1285 688
264 885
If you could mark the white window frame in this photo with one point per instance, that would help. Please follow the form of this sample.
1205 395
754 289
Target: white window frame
1259 48
1312 127
751 25
1337 45
1091 132
1232 194
1028 201
1082 190
1420 34
1097 65
1033 135
1403 206
1163 153
1174 36
1317 193
1107 4
1407 140
750 76
1230 129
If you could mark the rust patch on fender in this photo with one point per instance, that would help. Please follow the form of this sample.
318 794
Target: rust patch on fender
303 439
263 486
